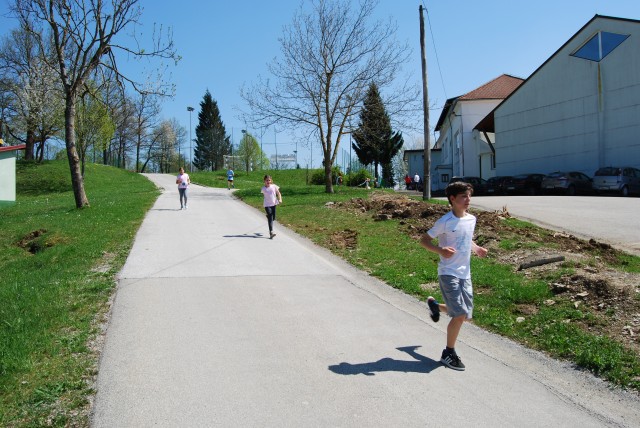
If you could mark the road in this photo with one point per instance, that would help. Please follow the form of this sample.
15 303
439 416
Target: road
613 220
214 325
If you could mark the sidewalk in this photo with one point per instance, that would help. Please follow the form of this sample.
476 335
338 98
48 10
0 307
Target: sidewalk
215 325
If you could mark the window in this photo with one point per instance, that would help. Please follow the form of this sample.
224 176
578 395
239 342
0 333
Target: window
444 178
599 46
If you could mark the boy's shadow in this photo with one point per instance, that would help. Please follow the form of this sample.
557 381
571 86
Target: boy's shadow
421 364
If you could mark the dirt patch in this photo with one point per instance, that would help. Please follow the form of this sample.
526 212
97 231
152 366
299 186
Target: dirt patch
596 282
344 239
33 241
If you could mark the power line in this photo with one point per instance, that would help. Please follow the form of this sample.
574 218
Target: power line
433 40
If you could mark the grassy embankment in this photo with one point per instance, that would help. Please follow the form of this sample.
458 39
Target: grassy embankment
56 277
388 253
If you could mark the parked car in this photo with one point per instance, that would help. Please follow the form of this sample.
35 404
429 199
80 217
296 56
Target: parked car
623 180
479 184
527 184
568 182
496 185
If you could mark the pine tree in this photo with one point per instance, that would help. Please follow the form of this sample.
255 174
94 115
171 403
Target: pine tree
212 141
375 140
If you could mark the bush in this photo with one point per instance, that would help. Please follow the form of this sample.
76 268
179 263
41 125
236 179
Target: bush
357 178
318 175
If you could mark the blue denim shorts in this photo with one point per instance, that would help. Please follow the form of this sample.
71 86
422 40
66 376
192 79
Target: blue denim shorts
458 295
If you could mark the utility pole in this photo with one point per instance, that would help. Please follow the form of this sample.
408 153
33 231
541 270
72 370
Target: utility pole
426 186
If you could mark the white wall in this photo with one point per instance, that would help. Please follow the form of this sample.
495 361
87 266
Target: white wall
8 176
575 114
458 140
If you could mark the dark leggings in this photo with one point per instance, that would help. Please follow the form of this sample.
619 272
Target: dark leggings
271 216
183 195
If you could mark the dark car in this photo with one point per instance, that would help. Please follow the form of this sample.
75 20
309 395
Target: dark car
568 182
622 180
524 184
496 185
479 184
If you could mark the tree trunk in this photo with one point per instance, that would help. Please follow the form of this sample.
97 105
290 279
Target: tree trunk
30 143
138 144
72 154
328 179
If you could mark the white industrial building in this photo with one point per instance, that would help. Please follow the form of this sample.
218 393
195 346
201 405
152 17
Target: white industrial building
580 110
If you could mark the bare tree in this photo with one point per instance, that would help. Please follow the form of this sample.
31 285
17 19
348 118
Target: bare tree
169 135
83 37
146 112
330 55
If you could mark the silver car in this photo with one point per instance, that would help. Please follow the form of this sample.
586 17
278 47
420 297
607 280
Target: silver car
623 180
569 182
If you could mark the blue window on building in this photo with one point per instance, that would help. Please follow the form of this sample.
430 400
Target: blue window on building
600 45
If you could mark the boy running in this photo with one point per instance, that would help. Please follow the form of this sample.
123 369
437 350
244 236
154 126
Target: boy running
454 232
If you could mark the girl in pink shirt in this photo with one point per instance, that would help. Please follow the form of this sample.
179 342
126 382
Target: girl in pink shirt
272 197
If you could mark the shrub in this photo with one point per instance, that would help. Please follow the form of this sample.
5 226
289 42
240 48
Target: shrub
318 175
358 177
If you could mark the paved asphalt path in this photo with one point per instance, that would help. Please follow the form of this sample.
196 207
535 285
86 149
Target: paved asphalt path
214 325
613 220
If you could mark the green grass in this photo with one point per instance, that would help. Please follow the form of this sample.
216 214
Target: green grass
56 276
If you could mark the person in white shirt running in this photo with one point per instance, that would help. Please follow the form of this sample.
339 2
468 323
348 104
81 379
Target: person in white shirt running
454 232
183 182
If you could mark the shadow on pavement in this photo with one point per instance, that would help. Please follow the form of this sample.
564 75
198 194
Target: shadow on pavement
246 235
421 365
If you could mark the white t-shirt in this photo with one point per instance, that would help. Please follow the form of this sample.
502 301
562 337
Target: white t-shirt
270 195
184 181
455 232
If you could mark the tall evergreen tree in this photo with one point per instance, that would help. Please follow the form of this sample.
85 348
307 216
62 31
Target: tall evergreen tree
212 141
375 141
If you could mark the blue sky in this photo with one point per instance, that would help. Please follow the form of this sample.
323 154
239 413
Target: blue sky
225 44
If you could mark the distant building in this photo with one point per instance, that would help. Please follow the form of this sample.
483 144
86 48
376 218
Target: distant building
465 151
283 161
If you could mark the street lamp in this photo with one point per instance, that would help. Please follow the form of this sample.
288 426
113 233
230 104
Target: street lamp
190 109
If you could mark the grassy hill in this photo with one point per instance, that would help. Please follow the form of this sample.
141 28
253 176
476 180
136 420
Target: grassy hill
57 270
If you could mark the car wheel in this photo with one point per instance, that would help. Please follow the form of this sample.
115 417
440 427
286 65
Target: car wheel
624 191
571 190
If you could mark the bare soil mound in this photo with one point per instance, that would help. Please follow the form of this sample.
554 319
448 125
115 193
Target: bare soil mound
597 282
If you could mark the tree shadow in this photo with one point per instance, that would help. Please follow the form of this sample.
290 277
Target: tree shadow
421 364
246 235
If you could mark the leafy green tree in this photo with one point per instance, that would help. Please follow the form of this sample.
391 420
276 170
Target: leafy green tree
212 141
250 153
375 140
94 126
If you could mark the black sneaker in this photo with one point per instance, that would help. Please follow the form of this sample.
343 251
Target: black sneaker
434 309
271 235
451 360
